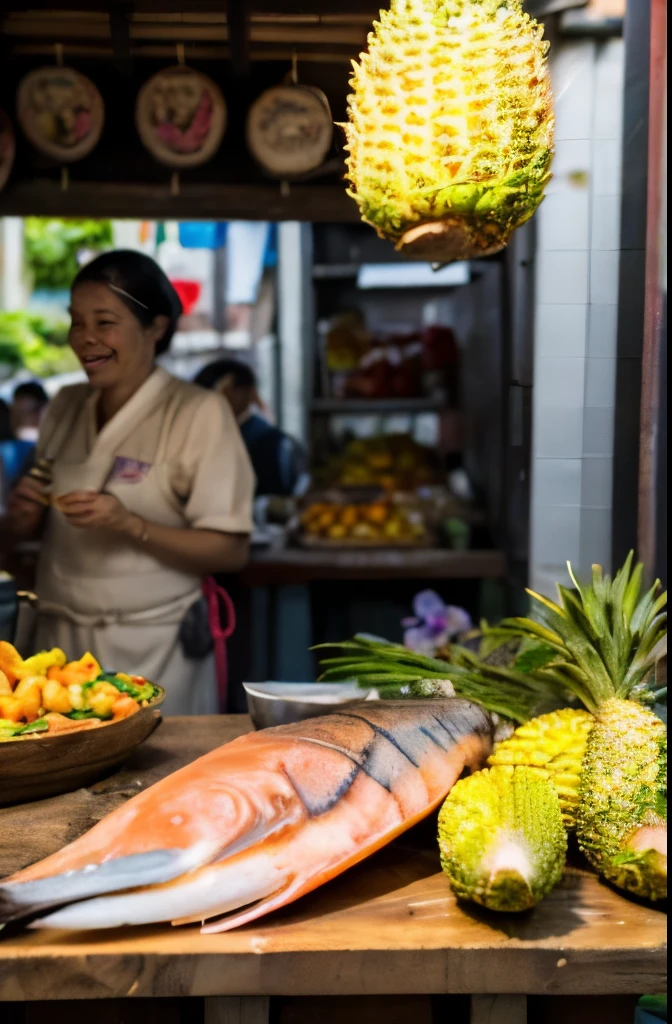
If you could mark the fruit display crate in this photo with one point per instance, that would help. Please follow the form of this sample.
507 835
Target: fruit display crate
357 543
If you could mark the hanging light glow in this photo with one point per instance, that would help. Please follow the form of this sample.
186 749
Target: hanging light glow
450 129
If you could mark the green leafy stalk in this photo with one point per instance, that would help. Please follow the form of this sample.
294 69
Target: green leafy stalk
373 663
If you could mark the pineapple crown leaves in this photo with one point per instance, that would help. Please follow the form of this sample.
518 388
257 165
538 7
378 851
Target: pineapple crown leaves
606 634
506 691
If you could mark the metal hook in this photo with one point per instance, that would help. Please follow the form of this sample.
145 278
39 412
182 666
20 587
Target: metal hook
58 47
180 54
175 184
65 179
295 72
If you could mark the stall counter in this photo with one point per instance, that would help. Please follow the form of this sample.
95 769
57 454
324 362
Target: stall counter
389 925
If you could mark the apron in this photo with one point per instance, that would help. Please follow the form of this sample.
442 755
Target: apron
102 593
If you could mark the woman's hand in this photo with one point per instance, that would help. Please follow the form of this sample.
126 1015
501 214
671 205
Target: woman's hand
194 551
26 506
89 510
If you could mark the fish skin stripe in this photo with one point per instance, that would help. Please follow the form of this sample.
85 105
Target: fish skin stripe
357 759
442 724
430 735
365 764
382 732
315 808
449 728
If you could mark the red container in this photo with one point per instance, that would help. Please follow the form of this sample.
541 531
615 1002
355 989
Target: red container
189 293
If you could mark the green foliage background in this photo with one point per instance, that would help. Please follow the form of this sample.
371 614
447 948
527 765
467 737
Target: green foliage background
35 343
51 247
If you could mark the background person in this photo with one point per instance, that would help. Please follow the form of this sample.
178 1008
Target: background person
277 459
19 428
29 404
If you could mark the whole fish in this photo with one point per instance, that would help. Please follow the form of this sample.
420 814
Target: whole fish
258 822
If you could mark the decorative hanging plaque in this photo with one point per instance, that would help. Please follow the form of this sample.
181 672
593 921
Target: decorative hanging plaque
181 117
7 148
289 130
61 112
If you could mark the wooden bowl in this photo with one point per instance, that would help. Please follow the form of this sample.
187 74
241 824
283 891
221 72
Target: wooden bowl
45 766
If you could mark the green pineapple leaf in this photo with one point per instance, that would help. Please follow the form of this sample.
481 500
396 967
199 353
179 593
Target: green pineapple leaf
533 656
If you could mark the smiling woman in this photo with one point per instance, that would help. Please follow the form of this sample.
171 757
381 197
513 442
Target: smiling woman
150 489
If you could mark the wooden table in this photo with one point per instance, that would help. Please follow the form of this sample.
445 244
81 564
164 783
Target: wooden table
390 925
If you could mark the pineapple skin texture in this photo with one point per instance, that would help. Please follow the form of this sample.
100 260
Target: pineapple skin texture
624 786
451 119
483 818
555 744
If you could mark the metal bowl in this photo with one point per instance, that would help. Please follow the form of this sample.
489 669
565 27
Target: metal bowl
281 703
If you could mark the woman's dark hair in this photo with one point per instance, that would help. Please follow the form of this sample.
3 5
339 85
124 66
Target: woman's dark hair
140 284
210 375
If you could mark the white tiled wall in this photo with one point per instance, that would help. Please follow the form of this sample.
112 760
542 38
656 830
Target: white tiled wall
575 319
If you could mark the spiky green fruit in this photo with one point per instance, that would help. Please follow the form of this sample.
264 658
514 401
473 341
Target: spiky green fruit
621 821
501 838
450 129
555 744
605 638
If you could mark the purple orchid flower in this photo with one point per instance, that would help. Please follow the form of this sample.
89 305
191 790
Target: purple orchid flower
434 623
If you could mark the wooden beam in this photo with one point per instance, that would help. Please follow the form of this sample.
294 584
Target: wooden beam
194 52
240 36
279 7
310 202
121 40
239 40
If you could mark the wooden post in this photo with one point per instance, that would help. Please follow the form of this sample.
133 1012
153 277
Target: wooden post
237 1010
497 1010
653 296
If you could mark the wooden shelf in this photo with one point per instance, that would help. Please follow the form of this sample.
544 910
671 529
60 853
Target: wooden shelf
297 566
335 271
350 271
43 197
382 406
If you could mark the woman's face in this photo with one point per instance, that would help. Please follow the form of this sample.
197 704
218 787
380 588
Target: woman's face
109 341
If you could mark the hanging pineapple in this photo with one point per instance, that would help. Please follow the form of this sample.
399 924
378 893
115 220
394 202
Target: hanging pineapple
450 128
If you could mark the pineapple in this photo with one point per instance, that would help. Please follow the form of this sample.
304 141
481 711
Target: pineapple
555 744
621 820
450 129
501 838
605 637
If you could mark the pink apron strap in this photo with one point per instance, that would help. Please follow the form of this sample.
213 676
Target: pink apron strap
214 594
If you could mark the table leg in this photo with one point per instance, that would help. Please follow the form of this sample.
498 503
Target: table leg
498 1010
236 1010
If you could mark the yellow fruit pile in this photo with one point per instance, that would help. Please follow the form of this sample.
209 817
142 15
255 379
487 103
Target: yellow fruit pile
393 462
46 688
380 522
